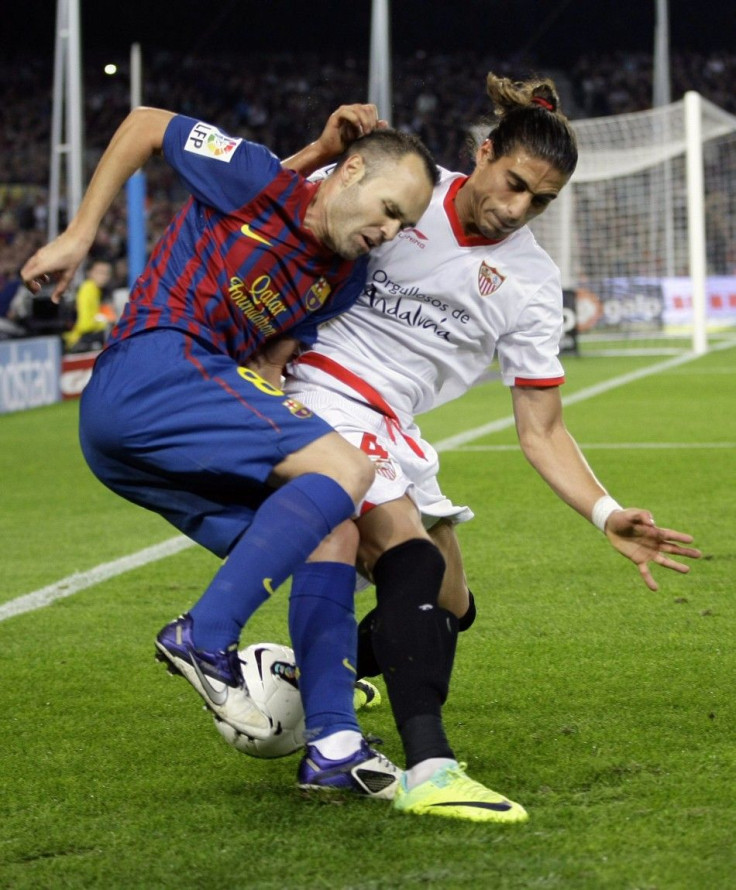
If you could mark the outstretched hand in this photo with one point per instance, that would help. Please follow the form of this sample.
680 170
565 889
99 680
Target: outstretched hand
634 534
55 263
345 125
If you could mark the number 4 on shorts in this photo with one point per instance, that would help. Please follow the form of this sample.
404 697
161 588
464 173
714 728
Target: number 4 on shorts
369 445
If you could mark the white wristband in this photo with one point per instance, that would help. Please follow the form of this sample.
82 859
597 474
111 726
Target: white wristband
602 509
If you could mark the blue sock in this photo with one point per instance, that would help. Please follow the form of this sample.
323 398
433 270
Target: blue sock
324 635
285 530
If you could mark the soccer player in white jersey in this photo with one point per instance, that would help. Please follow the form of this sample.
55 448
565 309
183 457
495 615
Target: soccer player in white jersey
467 283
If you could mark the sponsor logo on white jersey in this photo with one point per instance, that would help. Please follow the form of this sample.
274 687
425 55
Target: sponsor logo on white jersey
407 312
415 237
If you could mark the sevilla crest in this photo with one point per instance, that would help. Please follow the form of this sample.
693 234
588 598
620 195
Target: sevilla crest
489 279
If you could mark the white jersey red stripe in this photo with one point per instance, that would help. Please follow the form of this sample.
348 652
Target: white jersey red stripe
365 390
437 307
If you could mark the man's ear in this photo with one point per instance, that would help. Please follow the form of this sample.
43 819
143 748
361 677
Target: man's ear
352 169
485 151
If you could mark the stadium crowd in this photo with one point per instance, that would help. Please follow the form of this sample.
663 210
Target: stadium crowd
620 83
282 101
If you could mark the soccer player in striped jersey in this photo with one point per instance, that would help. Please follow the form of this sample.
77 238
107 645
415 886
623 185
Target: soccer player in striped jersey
176 416
467 283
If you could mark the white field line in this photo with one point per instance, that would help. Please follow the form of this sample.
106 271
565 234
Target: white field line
613 446
588 393
82 580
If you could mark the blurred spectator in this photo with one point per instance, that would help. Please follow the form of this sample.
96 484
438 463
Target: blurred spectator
92 323
32 316
9 326
281 99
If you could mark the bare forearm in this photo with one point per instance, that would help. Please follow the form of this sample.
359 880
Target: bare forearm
559 461
554 454
135 141
552 451
308 159
139 136
343 126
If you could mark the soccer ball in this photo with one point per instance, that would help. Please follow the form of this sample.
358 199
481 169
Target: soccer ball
271 677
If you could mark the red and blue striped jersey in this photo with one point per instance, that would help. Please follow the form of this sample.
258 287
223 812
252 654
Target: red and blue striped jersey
236 265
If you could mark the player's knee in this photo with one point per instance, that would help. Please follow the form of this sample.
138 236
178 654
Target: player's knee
331 456
366 471
353 471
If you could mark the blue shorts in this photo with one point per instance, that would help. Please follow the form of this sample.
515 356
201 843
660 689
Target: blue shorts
173 425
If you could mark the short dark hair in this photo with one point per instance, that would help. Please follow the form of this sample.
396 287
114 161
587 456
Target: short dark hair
380 145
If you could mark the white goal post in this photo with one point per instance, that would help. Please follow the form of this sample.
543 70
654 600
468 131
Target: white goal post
648 220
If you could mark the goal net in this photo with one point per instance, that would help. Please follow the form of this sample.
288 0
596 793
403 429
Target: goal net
645 232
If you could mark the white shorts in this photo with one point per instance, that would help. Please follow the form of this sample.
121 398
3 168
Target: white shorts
400 468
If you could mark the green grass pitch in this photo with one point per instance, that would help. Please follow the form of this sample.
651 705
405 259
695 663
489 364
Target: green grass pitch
604 708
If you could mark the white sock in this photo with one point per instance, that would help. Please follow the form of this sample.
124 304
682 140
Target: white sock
424 770
340 744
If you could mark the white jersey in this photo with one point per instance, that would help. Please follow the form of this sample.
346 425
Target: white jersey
436 308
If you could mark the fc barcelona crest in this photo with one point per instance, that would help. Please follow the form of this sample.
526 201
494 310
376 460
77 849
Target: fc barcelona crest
317 294
489 279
